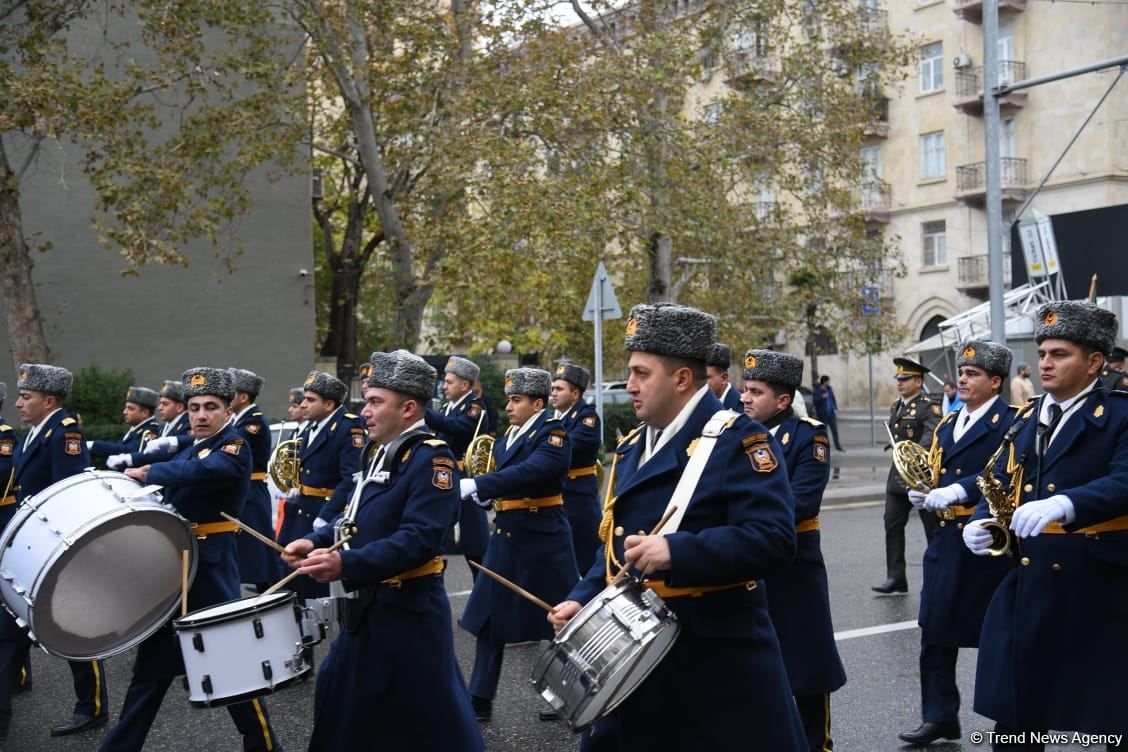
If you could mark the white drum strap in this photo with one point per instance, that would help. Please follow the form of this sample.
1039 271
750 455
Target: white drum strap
695 467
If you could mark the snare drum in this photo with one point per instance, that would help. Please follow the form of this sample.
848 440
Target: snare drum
605 652
241 649
91 565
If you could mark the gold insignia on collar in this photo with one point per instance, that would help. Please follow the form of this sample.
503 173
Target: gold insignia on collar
1050 318
750 361
1099 411
969 352
689 449
632 326
198 379
204 453
995 418
786 438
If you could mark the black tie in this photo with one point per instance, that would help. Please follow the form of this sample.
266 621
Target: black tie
966 420
1048 430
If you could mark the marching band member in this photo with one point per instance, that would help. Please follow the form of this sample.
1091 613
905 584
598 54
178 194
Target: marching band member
532 543
724 676
957 585
258 565
330 454
798 596
138 415
393 668
585 436
13 640
172 408
202 480
1112 375
1051 651
456 424
717 376
54 449
295 412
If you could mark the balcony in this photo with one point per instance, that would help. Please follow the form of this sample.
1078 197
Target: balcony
971 181
969 87
877 122
875 201
972 10
873 21
746 67
973 278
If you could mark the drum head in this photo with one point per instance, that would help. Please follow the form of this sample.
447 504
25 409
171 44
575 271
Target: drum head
116 584
232 610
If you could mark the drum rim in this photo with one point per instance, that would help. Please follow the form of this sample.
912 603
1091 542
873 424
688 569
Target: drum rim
252 694
276 600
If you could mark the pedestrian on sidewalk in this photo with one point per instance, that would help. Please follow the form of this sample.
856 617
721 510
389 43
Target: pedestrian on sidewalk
1022 389
827 408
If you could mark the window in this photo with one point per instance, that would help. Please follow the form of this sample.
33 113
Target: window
934 244
931 67
712 112
932 158
871 163
1006 138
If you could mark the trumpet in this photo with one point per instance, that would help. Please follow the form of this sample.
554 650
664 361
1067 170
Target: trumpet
1001 500
479 458
285 465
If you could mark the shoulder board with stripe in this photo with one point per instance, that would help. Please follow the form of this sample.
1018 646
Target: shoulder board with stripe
434 442
627 437
68 422
812 421
350 416
256 415
5 427
947 418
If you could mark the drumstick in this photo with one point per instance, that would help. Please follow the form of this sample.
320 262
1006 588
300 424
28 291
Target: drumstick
661 523
184 582
254 533
296 572
511 585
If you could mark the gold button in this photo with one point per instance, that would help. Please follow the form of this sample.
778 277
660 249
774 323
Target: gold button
1028 487
943 470
509 535
943 523
641 532
1025 561
1051 487
897 425
619 530
959 526
1056 567
959 471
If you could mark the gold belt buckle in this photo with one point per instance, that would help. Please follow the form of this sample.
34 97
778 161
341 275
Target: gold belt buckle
395 584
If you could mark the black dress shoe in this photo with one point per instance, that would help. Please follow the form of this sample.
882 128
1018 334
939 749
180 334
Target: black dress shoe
483 709
549 713
891 586
79 723
926 733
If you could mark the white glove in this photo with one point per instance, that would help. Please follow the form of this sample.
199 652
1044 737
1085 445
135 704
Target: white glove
319 523
467 487
939 499
916 498
1031 518
119 461
293 493
977 538
457 533
161 444
90 445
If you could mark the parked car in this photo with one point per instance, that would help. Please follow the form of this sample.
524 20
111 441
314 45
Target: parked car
614 393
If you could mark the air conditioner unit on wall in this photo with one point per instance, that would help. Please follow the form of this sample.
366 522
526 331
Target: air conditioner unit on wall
962 60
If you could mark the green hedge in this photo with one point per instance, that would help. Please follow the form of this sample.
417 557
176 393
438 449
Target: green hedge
98 397
618 420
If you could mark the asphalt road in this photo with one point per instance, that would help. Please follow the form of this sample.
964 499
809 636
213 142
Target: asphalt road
878 642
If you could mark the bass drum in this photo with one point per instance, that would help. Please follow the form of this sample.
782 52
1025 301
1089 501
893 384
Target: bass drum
92 565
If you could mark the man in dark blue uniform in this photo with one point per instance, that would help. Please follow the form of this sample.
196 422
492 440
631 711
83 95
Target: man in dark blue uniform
258 564
585 435
958 585
13 640
393 667
461 418
53 449
798 597
717 372
723 684
172 408
143 425
200 481
1113 375
532 543
913 417
330 454
1051 653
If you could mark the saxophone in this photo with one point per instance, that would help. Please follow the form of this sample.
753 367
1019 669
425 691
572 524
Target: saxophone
1002 500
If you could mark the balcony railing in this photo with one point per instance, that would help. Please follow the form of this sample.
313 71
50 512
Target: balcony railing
745 66
877 123
875 200
969 86
973 273
972 10
872 20
971 180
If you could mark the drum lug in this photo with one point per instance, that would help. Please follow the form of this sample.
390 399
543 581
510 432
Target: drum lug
206 684
268 672
198 642
6 576
257 624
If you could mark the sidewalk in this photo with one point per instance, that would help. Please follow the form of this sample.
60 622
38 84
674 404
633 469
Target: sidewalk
859 473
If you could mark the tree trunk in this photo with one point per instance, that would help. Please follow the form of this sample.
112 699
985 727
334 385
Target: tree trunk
812 340
660 253
25 326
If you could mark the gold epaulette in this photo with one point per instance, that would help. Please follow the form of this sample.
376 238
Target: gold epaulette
626 437
350 416
434 443
5 427
813 421
68 422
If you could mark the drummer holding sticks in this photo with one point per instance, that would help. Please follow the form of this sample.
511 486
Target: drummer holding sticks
391 679
202 482
723 682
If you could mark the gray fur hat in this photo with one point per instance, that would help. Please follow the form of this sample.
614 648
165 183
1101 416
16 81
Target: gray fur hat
297 394
39 377
462 368
174 390
670 329
142 396
774 367
202 380
577 376
403 372
3 392
326 386
990 356
246 381
535 382
1078 321
720 356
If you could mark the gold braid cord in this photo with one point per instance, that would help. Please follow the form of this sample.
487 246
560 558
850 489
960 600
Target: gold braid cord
607 524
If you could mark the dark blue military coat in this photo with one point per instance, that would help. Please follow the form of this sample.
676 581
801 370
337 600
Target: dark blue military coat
530 547
180 426
130 442
257 562
958 585
57 452
723 684
8 507
398 673
798 597
731 399
581 486
1051 654
457 430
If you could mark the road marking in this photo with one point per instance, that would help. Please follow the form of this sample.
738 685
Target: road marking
460 593
850 634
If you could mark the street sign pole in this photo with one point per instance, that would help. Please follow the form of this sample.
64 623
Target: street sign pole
598 321
601 304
